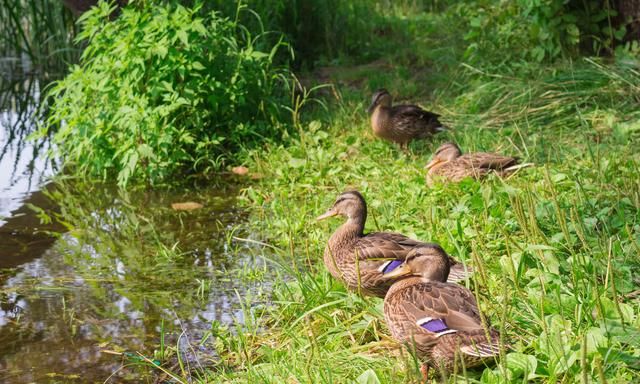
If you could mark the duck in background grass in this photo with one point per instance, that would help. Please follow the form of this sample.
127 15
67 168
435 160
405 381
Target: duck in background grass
401 123
450 165
364 261
438 321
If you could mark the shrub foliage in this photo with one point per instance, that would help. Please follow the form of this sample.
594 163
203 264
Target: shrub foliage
163 88
542 29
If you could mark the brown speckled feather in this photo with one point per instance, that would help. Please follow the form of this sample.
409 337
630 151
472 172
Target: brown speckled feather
486 160
371 251
416 298
413 122
360 259
390 245
403 123
474 165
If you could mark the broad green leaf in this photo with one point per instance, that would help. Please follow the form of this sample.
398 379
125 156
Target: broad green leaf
182 35
521 365
595 339
368 377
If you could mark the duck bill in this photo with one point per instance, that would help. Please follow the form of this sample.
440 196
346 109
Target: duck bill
401 271
432 164
326 215
371 108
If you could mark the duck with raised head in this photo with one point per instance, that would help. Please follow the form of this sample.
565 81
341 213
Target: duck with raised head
362 260
439 321
450 165
401 123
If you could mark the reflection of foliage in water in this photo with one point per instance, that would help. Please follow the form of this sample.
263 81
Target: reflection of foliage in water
36 45
19 114
136 241
134 269
129 271
23 163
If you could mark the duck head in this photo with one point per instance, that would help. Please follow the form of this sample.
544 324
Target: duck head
430 262
380 97
349 204
446 152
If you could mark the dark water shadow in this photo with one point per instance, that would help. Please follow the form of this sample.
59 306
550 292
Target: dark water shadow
23 236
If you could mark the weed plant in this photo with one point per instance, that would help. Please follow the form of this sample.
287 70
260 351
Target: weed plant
163 89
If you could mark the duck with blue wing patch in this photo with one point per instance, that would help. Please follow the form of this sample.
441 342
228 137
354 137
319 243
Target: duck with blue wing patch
362 260
437 326
439 321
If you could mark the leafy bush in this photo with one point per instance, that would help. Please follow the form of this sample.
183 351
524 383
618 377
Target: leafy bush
162 88
539 30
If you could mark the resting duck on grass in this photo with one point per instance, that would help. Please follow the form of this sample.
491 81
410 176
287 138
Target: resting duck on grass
401 123
450 165
363 261
439 321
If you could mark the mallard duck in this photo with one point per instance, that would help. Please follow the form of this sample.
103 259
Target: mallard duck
401 123
373 255
439 321
449 164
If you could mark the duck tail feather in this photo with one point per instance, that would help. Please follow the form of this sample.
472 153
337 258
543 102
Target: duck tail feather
484 349
459 272
518 166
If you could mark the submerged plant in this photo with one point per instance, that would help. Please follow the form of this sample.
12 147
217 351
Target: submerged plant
163 88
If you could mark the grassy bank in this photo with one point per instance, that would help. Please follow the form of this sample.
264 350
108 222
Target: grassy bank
556 246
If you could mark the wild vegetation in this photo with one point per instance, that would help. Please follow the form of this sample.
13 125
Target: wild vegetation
556 247
163 89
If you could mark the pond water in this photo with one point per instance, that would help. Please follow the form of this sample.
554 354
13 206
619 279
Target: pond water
113 273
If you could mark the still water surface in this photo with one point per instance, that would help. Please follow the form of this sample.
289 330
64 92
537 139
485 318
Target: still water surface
113 273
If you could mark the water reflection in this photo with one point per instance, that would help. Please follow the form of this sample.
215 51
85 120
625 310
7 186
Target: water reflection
117 278
23 164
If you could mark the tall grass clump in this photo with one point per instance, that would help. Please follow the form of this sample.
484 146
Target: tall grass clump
40 32
164 88
319 31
